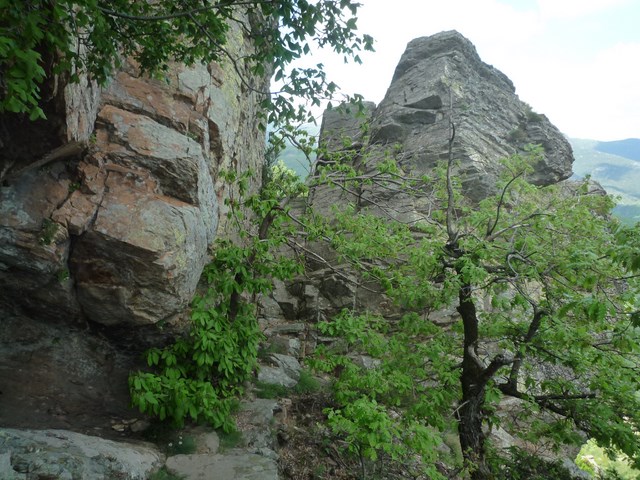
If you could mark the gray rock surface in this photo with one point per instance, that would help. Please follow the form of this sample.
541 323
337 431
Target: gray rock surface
443 75
275 376
141 202
68 455
101 248
63 378
441 79
285 371
231 466
253 459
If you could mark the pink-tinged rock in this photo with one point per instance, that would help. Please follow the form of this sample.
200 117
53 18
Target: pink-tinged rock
176 160
141 261
80 208
77 212
153 98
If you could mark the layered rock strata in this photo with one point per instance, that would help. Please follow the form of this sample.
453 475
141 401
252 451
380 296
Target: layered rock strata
114 225
107 210
441 84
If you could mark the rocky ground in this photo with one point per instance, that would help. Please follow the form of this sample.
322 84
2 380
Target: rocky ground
65 415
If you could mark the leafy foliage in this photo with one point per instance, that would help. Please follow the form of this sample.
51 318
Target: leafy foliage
198 376
388 409
525 466
598 463
40 37
545 286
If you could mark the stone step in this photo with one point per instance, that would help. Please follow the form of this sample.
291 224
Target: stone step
233 465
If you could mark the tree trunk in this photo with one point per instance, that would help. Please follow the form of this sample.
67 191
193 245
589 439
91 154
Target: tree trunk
472 438
473 381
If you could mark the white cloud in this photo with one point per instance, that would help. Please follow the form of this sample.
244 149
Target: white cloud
575 8
564 64
594 97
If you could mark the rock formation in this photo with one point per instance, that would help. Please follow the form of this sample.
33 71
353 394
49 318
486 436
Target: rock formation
114 225
107 209
108 217
440 80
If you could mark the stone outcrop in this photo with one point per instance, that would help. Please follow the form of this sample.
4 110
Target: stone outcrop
192 453
61 454
107 211
439 81
115 224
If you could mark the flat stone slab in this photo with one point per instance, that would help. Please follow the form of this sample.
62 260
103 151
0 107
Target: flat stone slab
231 466
66 455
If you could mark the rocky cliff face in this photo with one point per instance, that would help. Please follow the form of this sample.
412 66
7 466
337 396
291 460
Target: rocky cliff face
117 229
107 209
439 81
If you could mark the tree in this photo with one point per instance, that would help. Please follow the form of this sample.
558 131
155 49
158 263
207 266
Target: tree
39 38
546 290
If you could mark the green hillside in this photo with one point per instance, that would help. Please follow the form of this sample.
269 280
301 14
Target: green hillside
619 175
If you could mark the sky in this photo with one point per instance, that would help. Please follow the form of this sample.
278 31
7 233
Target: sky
576 61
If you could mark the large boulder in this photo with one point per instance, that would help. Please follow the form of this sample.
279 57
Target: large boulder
61 454
110 218
107 210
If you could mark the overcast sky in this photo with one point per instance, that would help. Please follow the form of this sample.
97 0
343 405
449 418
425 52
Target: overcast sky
577 61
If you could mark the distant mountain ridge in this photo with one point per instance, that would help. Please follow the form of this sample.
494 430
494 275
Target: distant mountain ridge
628 148
616 166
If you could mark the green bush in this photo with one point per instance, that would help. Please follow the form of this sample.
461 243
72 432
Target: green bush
270 390
164 474
307 384
200 374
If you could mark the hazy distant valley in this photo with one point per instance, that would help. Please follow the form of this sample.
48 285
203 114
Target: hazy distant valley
616 166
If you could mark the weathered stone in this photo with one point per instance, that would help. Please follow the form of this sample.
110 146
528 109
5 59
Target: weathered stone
81 105
365 361
154 98
208 443
231 466
150 144
6 470
340 291
481 102
439 81
63 376
288 364
288 303
68 455
270 310
288 328
257 418
34 249
275 376
141 261
342 128
278 343
135 141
